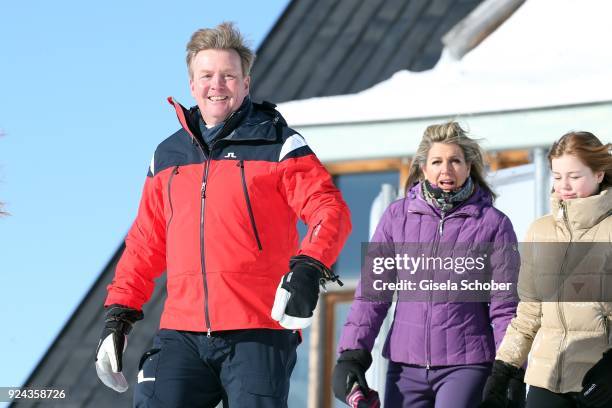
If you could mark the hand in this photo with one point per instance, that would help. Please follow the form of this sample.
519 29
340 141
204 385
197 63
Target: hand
113 341
597 384
297 293
350 369
504 387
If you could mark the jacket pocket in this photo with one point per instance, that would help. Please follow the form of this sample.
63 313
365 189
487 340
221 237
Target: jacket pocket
248 204
175 171
147 372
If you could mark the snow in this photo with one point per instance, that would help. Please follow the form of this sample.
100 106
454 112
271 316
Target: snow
548 53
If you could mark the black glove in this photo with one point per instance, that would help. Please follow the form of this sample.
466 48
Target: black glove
350 369
504 387
109 354
597 384
298 292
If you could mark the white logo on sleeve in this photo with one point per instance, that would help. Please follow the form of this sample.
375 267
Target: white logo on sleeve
230 155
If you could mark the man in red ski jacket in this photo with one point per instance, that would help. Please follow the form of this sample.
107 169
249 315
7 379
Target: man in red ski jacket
218 213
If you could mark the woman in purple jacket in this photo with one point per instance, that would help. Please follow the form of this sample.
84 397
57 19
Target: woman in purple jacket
440 353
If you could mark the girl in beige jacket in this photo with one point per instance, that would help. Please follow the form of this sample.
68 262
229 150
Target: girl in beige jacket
565 285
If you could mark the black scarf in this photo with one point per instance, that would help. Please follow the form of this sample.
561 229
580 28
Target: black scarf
444 200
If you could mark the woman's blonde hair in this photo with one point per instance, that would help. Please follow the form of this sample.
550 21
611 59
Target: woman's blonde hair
449 133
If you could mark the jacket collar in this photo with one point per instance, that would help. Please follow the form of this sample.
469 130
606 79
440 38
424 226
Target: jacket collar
583 213
252 121
472 207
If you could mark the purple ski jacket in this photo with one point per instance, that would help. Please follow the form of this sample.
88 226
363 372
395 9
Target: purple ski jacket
438 333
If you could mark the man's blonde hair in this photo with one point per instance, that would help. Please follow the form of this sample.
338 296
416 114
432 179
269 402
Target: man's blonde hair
223 37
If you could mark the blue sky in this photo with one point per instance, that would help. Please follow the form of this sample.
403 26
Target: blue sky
83 90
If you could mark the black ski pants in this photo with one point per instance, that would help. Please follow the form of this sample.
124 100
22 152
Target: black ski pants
242 368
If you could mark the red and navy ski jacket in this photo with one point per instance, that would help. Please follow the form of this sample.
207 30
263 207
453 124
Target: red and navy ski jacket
222 221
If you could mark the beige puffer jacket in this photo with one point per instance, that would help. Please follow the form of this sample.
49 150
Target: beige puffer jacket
564 338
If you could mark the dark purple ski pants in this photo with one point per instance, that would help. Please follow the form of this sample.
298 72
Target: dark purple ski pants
442 387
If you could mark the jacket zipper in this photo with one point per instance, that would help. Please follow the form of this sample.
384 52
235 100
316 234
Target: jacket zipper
202 211
174 172
248 203
313 230
559 304
202 250
195 141
437 238
441 226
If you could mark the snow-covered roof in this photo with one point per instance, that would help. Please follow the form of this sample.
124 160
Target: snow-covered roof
548 53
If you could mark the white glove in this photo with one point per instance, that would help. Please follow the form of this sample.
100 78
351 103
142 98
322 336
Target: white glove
108 362
297 293
279 311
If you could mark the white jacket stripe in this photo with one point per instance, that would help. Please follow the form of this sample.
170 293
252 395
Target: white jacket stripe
292 143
